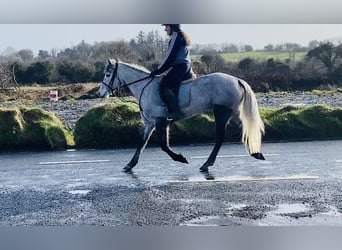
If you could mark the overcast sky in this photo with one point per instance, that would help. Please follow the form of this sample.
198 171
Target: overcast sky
61 36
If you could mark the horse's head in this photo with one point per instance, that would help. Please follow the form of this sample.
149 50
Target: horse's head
108 84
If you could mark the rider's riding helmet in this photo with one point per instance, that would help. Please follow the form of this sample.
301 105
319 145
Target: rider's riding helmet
174 27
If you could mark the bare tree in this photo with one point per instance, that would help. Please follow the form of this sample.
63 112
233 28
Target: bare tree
7 77
328 54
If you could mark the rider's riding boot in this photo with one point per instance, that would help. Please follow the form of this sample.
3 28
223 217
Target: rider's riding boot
172 105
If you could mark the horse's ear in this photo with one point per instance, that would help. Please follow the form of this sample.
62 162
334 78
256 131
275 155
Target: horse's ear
111 61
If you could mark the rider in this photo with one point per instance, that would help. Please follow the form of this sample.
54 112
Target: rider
178 60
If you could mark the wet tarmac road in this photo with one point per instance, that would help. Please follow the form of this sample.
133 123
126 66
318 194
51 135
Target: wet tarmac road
298 184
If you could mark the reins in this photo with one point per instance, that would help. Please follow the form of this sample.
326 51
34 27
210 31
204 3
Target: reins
123 84
139 80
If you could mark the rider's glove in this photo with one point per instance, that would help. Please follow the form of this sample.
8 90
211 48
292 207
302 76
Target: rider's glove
153 73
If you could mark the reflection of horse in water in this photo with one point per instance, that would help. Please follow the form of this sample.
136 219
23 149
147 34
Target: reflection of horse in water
226 95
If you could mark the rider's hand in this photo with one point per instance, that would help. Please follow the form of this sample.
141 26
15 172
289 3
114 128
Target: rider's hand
152 74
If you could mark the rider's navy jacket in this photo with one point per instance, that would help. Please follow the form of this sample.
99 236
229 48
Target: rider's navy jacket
178 52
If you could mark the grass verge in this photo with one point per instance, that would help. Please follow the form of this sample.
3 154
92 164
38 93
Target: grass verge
22 128
117 125
304 123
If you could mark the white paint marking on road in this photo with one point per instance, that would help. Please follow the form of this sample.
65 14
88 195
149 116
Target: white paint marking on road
247 178
228 156
338 160
71 162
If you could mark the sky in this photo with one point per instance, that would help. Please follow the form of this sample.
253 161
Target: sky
60 36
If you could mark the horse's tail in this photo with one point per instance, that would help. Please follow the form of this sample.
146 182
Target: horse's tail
252 125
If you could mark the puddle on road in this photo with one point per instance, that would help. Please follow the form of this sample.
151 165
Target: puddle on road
77 184
291 208
199 179
202 221
286 214
299 214
79 192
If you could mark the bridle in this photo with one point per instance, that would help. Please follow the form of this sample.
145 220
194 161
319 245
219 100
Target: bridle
110 84
122 83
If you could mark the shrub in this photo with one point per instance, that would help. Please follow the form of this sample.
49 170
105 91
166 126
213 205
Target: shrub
117 125
32 129
110 125
197 129
76 71
11 128
293 123
38 72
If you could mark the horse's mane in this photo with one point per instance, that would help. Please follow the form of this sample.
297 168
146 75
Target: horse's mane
137 67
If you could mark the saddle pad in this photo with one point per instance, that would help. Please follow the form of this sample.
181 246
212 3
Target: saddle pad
192 78
184 95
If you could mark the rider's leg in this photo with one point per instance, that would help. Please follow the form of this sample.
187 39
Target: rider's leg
172 104
169 89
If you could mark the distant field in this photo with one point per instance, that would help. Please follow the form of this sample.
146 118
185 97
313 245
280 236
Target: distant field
258 56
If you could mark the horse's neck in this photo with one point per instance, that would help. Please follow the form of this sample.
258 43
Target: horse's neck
131 75
138 87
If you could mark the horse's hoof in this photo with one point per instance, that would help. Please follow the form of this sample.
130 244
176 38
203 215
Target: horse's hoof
181 159
258 156
184 160
127 169
204 169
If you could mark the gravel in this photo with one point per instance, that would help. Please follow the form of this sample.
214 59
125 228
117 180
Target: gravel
279 100
69 112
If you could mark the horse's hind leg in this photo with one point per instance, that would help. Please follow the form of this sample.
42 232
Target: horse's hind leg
163 137
222 117
145 134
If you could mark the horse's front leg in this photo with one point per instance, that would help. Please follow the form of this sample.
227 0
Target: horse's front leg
145 133
162 130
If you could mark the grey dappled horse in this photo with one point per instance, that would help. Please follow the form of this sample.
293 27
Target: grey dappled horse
226 95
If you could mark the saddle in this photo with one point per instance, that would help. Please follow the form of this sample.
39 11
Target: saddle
189 77
184 90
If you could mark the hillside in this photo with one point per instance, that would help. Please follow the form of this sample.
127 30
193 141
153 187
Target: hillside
258 56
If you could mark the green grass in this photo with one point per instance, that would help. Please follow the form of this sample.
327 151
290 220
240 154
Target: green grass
305 123
337 91
198 129
23 128
257 56
111 125
117 125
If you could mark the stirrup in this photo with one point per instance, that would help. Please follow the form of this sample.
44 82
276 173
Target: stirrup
174 117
